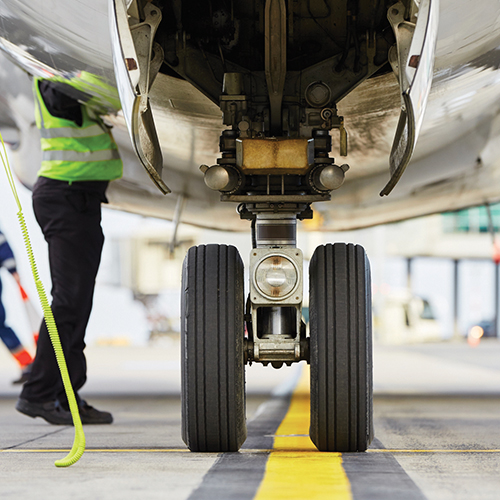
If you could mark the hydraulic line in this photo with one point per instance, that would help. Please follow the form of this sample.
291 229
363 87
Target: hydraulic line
79 442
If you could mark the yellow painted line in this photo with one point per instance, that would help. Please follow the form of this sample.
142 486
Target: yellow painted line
295 468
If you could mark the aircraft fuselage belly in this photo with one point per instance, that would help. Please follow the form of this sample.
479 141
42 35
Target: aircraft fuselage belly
454 164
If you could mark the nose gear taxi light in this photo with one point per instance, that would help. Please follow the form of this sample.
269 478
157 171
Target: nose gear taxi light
276 277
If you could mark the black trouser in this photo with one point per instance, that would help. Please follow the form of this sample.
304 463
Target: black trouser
70 219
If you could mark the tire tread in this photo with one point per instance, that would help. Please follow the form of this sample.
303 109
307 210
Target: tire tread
341 365
213 384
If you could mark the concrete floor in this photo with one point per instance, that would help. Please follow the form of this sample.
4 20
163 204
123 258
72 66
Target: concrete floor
437 426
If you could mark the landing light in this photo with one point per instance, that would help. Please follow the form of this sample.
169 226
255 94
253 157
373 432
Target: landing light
276 276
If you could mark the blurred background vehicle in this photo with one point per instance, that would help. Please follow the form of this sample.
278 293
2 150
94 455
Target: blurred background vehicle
404 318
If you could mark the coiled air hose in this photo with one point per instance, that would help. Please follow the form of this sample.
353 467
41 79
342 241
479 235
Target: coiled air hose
79 443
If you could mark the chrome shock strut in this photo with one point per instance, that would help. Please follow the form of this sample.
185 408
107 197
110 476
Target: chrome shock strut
276 288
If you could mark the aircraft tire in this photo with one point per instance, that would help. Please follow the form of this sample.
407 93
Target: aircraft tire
212 349
341 348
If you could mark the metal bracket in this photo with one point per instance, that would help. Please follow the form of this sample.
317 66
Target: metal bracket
399 53
143 35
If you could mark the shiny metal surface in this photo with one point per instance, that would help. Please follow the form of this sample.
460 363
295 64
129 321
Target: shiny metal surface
58 37
456 161
277 321
220 178
329 177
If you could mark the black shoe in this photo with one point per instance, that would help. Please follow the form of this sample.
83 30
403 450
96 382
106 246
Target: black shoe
90 415
25 375
52 411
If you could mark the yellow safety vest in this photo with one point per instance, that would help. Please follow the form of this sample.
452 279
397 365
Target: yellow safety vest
75 153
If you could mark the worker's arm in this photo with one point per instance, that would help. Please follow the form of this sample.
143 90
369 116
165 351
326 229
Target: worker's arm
58 103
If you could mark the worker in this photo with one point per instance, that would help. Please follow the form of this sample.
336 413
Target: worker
9 338
79 158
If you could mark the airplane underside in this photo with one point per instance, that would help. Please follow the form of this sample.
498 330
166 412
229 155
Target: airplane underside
293 82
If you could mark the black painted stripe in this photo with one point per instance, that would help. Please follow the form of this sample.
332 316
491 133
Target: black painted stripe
237 476
378 476
263 426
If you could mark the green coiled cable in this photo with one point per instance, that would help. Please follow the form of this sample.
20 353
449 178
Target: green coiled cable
79 443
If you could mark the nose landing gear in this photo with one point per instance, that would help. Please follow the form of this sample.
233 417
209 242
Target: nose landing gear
275 180
214 349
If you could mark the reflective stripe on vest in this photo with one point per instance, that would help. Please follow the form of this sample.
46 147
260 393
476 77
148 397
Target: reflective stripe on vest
75 156
52 133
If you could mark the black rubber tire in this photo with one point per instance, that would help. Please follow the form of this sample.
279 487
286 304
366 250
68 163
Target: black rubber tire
212 336
341 348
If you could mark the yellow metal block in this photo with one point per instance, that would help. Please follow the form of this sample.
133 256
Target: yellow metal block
274 156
